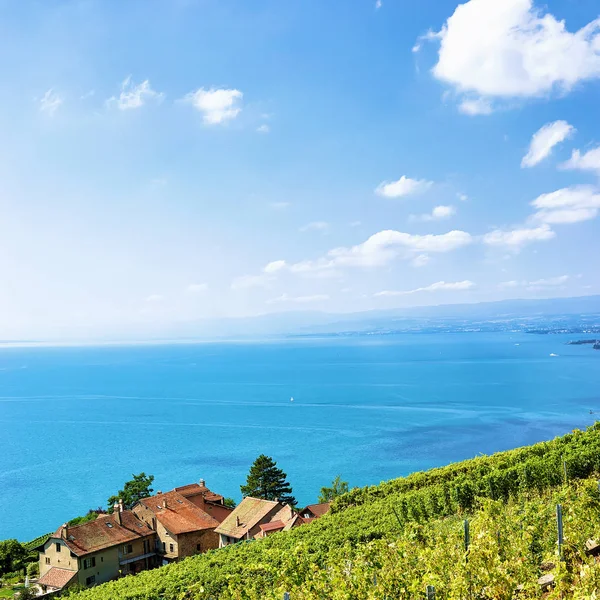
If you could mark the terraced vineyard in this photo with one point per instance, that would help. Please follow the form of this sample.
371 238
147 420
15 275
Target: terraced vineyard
392 540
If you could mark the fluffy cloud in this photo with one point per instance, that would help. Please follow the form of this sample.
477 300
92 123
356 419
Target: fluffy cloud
299 299
264 128
589 161
437 214
567 205
538 284
134 96
544 140
457 286
50 102
517 238
384 247
403 187
216 105
274 266
315 226
510 49
476 106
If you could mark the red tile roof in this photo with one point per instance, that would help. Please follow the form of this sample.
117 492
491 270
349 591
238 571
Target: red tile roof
247 513
180 515
317 509
103 532
57 578
193 489
272 526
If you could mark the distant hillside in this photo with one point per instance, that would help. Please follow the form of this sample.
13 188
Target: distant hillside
392 540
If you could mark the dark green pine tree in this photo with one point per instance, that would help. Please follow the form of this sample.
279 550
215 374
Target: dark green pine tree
268 482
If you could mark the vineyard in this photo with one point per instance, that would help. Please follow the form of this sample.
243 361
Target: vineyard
393 540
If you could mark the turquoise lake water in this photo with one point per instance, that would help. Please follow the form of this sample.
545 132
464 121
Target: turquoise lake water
77 422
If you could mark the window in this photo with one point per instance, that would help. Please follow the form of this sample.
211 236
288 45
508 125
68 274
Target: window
198 547
164 547
58 546
90 580
127 549
89 562
171 548
47 560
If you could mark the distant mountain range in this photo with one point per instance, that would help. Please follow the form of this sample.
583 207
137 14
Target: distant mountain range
554 313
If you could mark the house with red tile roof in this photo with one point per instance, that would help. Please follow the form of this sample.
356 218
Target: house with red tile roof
314 511
208 501
97 551
182 527
255 518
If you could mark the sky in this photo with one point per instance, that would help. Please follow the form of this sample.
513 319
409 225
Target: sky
164 161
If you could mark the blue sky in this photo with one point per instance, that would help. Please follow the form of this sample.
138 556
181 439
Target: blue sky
172 160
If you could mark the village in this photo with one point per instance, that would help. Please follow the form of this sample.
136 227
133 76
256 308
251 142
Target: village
156 531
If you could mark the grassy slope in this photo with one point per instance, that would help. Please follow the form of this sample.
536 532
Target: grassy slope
392 540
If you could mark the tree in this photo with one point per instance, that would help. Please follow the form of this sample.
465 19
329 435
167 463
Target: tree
268 482
13 556
133 490
229 502
338 487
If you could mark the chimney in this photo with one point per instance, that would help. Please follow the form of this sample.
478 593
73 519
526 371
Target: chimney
202 483
117 513
64 532
164 503
237 521
120 505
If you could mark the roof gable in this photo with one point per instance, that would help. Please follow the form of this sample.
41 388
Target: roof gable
246 515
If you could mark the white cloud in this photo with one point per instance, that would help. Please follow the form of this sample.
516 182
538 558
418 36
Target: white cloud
279 205
567 205
264 128
462 197
457 286
134 96
298 299
517 238
544 140
153 298
197 288
590 161
315 226
378 4
476 106
439 213
420 260
50 102
511 49
216 105
403 187
384 247
274 266
538 284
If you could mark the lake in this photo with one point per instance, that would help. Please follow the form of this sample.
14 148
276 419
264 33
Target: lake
77 422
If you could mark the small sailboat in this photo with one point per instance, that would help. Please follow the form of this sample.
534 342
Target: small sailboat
292 399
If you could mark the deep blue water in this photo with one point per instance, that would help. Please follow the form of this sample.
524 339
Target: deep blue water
77 422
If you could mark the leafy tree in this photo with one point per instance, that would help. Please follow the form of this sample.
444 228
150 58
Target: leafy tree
338 487
229 502
91 515
268 482
133 490
12 556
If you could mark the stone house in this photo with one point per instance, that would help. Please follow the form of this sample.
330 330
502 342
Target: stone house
182 527
254 518
96 551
